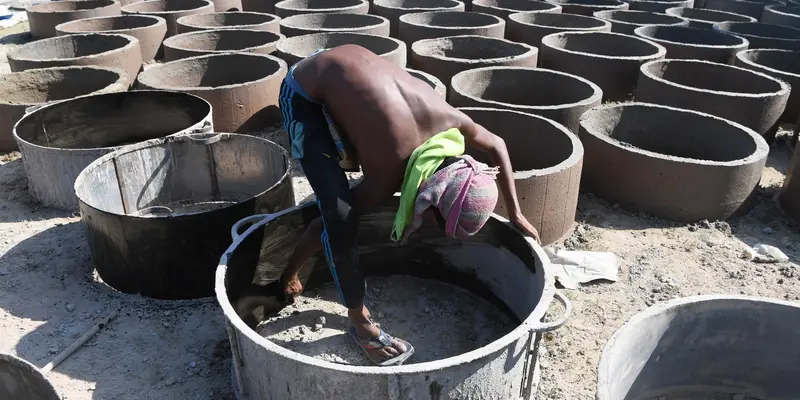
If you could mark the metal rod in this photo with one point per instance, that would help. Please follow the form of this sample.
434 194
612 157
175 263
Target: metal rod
78 343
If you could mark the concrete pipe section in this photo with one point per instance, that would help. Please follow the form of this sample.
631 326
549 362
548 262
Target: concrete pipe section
611 60
657 6
555 95
751 8
436 24
229 20
675 164
177 198
764 36
100 49
297 48
446 57
504 8
753 99
431 80
686 43
23 381
394 9
242 88
306 24
194 44
497 265
148 29
589 7
780 64
43 17
704 347
705 19
627 21
36 87
287 8
59 140
782 15
546 158
789 197
531 28
170 10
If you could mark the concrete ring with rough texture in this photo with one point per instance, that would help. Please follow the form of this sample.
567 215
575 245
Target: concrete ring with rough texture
780 64
43 17
100 49
657 6
287 8
446 57
306 24
170 10
626 21
552 94
611 60
149 29
589 7
436 24
754 8
547 160
431 80
297 48
192 44
687 43
753 99
763 36
705 19
35 87
782 15
530 28
504 8
243 88
676 164
229 20
394 9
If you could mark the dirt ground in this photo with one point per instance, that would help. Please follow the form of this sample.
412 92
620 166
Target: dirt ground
179 350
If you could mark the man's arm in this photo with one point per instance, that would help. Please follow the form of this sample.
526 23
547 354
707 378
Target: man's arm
479 137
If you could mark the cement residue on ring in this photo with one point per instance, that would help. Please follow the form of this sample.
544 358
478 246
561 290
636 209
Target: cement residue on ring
431 80
305 24
626 21
198 43
764 36
705 19
43 17
530 28
780 64
287 8
297 48
148 29
440 320
688 43
589 7
105 50
170 10
394 9
435 24
229 20
782 15
675 164
242 88
445 57
657 6
504 8
552 94
610 60
753 99
752 8
20 90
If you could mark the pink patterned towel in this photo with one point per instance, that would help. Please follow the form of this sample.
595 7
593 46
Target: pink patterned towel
464 192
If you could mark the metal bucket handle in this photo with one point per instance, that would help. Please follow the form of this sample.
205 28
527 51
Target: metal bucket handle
553 325
534 339
197 137
255 221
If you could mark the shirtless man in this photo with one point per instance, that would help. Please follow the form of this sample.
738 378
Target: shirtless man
346 106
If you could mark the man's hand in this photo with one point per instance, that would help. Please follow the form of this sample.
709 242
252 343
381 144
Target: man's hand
522 224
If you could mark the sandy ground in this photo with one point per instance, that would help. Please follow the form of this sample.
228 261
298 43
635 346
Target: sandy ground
179 350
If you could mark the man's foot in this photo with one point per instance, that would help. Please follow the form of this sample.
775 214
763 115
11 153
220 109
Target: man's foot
381 348
291 287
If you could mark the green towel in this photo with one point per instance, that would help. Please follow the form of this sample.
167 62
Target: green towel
421 165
